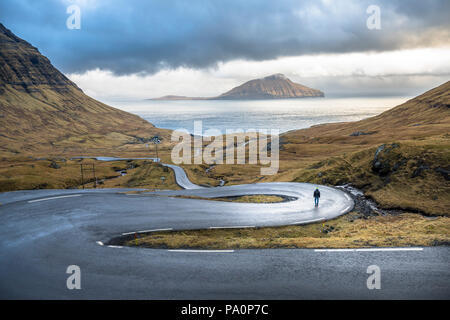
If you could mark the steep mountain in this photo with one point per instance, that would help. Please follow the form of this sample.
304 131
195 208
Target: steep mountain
276 86
42 111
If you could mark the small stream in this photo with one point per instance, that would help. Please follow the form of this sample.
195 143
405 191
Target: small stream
365 205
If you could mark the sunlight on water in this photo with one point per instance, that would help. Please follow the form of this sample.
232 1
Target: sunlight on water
284 115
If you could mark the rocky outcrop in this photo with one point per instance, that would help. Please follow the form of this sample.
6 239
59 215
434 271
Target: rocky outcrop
381 163
361 133
54 165
444 172
387 161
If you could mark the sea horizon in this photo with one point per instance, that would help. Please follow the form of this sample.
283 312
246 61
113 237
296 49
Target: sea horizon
279 114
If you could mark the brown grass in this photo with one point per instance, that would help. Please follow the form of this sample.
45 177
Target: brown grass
349 231
256 198
26 174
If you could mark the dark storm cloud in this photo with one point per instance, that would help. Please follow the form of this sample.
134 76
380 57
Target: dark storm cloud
145 36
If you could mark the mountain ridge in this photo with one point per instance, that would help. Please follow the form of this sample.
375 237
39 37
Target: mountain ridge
41 110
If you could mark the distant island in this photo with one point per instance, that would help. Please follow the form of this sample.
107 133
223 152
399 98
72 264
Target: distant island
276 86
172 97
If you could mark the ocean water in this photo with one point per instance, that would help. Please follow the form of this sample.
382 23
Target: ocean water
232 115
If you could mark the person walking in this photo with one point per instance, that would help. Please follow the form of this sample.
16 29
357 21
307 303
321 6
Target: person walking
316 197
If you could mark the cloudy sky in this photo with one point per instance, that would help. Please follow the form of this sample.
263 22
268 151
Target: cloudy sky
128 49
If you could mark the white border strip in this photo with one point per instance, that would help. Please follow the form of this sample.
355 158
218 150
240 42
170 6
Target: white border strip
390 249
368 249
233 227
127 233
52 198
119 247
201 251
154 230
308 221
144 231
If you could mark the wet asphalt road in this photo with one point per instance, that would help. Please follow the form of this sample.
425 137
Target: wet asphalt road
44 231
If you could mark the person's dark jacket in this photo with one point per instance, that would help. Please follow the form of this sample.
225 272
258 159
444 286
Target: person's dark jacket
316 193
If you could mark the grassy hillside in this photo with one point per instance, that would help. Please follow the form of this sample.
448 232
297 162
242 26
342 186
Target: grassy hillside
400 158
45 115
45 121
42 112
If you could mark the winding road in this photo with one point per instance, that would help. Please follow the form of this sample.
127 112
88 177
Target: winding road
42 232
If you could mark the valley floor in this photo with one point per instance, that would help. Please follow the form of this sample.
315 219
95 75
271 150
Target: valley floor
399 159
